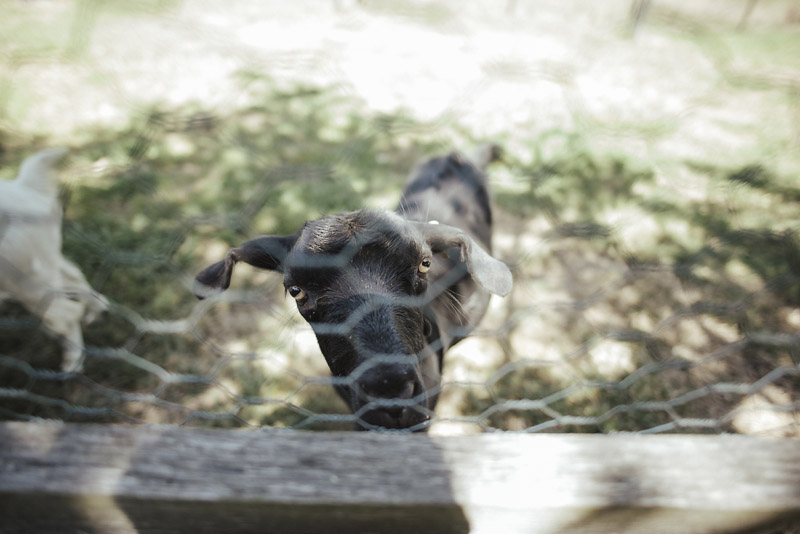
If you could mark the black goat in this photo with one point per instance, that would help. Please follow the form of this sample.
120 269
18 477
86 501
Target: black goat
388 293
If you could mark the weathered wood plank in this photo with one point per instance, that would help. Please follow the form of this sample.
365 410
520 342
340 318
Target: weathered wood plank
84 478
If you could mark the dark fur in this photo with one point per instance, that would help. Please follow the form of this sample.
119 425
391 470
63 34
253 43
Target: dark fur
380 321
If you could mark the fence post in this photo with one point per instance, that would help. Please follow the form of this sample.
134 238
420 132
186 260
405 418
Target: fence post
100 478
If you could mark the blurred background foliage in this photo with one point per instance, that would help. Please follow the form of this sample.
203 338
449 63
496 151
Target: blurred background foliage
654 292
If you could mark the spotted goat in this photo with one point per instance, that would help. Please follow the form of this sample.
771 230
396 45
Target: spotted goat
388 293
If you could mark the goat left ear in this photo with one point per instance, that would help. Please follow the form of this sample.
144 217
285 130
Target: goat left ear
489 273
265 252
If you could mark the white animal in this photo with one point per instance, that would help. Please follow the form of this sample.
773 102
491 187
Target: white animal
32 269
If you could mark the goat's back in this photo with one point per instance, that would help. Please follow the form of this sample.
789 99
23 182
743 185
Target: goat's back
453 191
22 203
36 172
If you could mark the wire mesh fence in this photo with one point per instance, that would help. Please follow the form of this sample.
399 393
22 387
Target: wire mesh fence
646 204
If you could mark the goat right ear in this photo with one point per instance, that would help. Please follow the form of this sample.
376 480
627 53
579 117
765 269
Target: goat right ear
265 252
489 273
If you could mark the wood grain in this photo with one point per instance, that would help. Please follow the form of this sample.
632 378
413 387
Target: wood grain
99 478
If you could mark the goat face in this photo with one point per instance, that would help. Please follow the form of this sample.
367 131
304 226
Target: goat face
360 281
363 281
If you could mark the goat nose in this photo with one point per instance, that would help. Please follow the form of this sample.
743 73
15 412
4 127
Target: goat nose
387 382
396 412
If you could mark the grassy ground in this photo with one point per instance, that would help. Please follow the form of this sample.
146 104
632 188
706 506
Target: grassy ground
648 203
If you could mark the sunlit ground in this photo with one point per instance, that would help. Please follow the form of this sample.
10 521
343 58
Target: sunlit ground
648 202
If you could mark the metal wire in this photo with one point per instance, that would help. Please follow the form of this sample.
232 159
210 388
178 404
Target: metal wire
600 334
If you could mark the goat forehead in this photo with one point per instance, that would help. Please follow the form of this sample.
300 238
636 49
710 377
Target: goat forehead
356 253
367 269
342 238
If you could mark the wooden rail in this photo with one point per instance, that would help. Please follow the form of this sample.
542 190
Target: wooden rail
151 479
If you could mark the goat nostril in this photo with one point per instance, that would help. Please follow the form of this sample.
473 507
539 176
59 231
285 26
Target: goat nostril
386 390
385 381
395 412
408 391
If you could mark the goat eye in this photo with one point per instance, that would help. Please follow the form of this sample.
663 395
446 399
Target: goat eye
297 293
424 265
